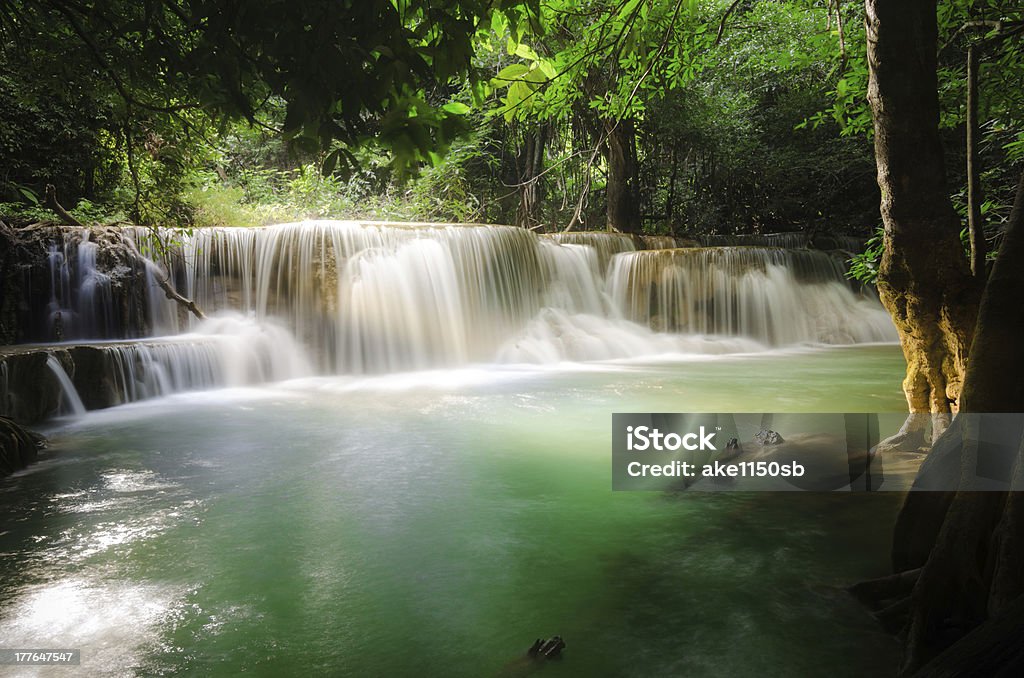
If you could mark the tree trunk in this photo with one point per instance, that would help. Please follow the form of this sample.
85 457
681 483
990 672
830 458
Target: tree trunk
924 280
968 542
531 162
623 179
670 201
974 197
973 569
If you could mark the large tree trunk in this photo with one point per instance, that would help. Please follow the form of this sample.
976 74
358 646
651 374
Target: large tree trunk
924 279
623 177
969 544
974 569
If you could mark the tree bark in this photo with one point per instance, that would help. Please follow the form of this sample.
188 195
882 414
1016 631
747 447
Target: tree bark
967 543
670 201
623 178
972 572
924 280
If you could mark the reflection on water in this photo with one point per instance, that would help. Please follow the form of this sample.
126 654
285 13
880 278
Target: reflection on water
114 623
435 524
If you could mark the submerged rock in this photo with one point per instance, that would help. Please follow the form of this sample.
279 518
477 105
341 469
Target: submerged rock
766 437
547 649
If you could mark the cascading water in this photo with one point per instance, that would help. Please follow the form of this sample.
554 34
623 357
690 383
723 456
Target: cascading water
223 352
775 296
81 302
605 245
71 403
370 298
580 322
374 297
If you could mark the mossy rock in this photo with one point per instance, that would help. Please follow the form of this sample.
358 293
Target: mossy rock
19 447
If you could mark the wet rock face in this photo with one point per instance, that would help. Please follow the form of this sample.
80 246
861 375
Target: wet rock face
95 377
30 392
24 282
18 447
59 283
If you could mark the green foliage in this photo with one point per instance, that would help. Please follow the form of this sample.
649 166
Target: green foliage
604 56
85 211
728 151
864 266
737 116
129 107
89 212
214 204
252 196
51 130
339 75
20 212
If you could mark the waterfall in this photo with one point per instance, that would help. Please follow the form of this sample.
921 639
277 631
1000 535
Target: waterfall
70 399
81 301
605 245
775 296
226 351
382 297
357 298
339 297
371 297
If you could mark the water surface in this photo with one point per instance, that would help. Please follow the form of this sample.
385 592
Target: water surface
435 523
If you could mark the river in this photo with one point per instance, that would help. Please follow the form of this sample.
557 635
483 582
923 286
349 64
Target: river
436 523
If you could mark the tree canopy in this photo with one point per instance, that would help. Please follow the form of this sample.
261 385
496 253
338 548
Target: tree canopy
677 116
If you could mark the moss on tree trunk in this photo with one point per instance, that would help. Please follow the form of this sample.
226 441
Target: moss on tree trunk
968 544
924 278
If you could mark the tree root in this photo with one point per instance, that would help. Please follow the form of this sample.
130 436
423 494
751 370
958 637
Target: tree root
893 618
992 649
888 598
916 435
875 592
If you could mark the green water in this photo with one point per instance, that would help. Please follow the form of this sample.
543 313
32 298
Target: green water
435 525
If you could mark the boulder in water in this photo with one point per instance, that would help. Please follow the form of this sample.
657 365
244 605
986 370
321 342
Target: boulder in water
766 437
18 446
